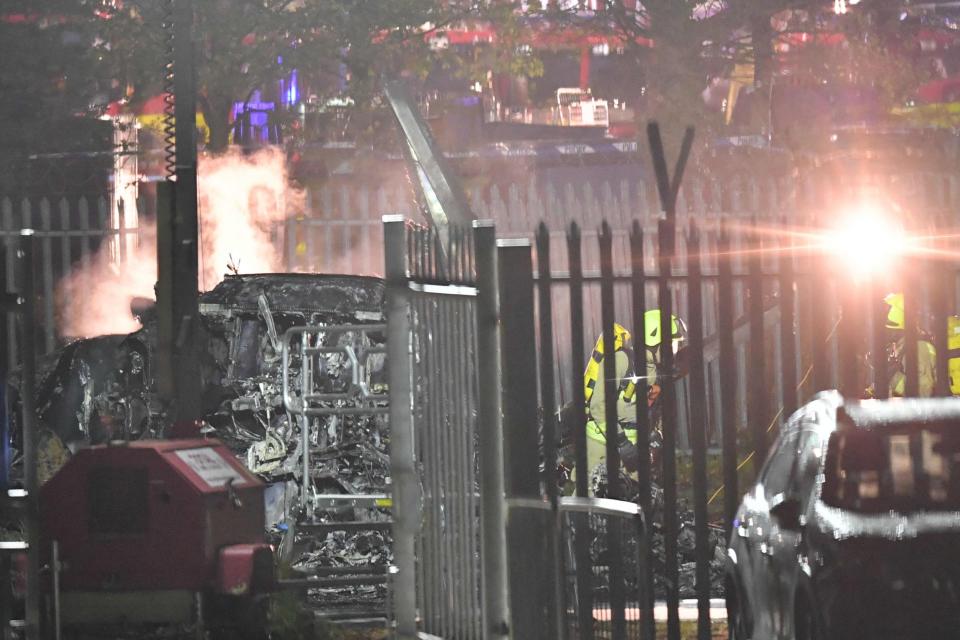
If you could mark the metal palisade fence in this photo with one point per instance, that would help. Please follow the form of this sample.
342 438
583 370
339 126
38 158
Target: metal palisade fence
445 445
804 323
341 231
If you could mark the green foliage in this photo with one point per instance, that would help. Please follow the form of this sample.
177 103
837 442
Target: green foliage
46 81
694 41
507 55
869 56
288 619
244 45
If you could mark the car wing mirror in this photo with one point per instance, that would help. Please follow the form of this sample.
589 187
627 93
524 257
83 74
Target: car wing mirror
787 514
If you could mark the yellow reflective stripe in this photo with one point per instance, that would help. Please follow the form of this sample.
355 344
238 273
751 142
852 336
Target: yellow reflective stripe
953 370
588 389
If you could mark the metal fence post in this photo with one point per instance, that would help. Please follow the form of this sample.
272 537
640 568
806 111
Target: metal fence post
30 435
6 358
941 301
851 302
555 605
611 391
911 358
878 339
698 433
818 289
728 379
582 533
578 359
757 385
669 412
645 499
490 437
402 452
522 456
638 291
788 335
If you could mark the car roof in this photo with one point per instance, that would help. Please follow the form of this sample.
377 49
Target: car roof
870 414
828 411
297 292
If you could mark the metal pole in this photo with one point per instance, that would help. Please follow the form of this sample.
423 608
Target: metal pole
7 351
698 434
940 303
611 392
911 303
6 596
878 351
756 379
55 569
30 480
728 381
668 190
818 282
638 282
669 412
555 608
522 456
644 497
166 321
402 453
185 224
579 425
581 531
788 334
850 331
493 511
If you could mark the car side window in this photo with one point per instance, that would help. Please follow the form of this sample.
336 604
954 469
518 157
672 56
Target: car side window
779 467
808 463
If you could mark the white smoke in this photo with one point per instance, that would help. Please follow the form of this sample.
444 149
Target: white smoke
243 200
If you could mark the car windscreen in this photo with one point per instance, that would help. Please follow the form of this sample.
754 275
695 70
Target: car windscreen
904 468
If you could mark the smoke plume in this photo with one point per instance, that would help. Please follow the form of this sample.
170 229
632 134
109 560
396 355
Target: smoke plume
243 199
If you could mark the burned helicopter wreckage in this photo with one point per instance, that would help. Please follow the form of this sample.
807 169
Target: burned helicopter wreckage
104 389
269 342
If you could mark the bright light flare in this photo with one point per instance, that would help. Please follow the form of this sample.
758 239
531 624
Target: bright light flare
866 242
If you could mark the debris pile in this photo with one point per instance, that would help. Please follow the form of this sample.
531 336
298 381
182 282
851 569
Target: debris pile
105 388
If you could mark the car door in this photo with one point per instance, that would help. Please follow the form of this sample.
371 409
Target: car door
754 533
786 527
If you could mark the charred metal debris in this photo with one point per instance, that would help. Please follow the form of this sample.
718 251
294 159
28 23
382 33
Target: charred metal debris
104 389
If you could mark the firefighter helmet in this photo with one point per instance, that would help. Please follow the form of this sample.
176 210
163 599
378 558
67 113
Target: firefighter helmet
651 328
895 316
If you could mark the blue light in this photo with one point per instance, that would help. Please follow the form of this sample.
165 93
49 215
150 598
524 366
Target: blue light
289 91
293 92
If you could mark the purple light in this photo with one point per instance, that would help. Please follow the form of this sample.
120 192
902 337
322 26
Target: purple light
289 91
293 92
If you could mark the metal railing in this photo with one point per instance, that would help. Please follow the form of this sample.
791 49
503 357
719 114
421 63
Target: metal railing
608 590
605 589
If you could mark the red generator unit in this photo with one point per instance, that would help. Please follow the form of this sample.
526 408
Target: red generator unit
155 532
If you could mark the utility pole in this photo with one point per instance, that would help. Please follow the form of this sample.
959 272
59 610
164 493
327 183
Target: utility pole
177 235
